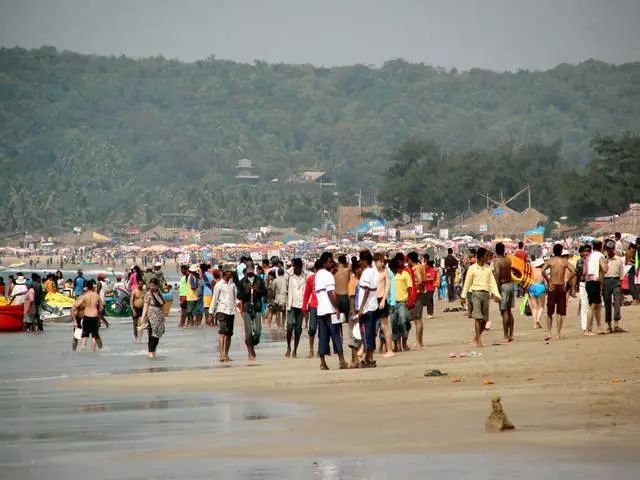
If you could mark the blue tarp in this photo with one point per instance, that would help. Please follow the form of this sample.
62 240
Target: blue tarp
535 231
498 211
365 227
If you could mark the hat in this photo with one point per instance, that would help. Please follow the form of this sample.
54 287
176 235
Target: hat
537 263
20 280
100 275
194 268
228 268
158 264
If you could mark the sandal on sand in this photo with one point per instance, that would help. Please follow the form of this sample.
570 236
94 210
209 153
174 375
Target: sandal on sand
453 355
435 373
463 354
620 330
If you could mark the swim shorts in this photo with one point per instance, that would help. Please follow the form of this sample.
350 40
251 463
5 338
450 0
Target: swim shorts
537 290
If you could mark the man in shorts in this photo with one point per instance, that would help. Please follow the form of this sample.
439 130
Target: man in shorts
342 277
415 314
594 270
481 282
92 305
223 308
502 272
556 286
137 303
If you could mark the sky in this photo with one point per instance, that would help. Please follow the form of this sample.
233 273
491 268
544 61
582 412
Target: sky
492 34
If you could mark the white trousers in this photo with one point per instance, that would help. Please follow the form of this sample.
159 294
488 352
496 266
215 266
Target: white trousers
583 308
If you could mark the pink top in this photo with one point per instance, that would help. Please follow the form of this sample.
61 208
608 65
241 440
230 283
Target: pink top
133 281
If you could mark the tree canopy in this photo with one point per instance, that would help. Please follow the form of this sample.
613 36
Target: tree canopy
115 140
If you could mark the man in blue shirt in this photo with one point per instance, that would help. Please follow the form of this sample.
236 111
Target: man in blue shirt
78 284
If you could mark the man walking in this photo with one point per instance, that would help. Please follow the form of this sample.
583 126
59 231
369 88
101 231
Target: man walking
368 307
612 287
296 284
450 268
502 272
556 288
223 308
251 292
595 269
328 320
482 285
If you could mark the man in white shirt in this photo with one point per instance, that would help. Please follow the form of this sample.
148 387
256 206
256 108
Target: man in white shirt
595 268
368 306
329 326
296 283
612 287
223 308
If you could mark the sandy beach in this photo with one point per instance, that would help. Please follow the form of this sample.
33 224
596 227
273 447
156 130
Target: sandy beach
559 395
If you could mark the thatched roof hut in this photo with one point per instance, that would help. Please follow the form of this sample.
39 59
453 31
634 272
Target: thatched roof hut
628 222
503 222
533 216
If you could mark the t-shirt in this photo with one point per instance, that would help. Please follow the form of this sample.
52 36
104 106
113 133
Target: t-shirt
369 281
351 289
324 283
78 285
182 289
431 279
593 265
521 254
402 282
208 280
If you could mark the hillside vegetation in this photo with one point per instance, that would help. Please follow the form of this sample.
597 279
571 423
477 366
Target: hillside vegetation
113 140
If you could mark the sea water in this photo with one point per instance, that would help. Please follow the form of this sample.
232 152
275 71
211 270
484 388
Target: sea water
49 430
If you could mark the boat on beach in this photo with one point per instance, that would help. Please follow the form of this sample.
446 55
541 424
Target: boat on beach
11 317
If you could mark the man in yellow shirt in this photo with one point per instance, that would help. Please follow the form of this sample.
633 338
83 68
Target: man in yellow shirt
481 282
399 316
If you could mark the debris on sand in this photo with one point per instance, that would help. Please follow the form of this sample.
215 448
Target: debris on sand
497 421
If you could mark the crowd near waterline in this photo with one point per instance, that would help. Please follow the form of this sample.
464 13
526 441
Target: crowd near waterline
372 302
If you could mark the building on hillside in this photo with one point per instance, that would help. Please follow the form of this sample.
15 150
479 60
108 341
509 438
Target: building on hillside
245 171
159 234
349 218
318 178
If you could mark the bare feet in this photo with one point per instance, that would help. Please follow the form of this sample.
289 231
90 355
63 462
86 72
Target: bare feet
505 340
417 346
537 325
558 337
294 355
310 355
323 366
387 355
288 354
589 334
547 338
344 366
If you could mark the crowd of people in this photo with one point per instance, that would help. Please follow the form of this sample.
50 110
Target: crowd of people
372 299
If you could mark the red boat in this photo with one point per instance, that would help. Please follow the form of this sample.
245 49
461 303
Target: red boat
11 317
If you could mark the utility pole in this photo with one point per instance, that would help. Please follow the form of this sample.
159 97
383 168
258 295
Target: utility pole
359 194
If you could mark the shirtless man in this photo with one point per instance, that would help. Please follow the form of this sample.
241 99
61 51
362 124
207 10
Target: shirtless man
137 304
77 314
342 277
92 305
556 286
502 272
382 293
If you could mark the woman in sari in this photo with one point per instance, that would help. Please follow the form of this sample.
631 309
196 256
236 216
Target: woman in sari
153 315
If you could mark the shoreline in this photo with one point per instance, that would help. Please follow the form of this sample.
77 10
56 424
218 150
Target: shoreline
558 394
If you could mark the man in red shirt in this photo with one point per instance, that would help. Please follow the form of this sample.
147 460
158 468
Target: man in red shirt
521 252
310 304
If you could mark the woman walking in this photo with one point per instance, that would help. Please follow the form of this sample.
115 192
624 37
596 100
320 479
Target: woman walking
153 315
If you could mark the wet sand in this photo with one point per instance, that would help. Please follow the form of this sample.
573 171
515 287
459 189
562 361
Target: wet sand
559 395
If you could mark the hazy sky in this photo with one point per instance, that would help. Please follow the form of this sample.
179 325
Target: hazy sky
496 34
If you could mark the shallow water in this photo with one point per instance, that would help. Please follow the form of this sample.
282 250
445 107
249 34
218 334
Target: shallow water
52 431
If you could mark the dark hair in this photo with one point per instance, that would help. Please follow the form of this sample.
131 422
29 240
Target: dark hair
426 257
379 257
35 277
204 267
354 260
90 284
520 244
500 248
481 252
154 280
431 263
597 245
325 257
450 251
297 262
317 265
413 256
272 274
618 235
557 249
259 268
342 259
582 248
366 256
280 271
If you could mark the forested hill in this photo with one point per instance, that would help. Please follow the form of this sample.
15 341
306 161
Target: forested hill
111 140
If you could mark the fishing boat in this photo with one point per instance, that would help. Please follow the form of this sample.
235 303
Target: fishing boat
11 317
17 265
